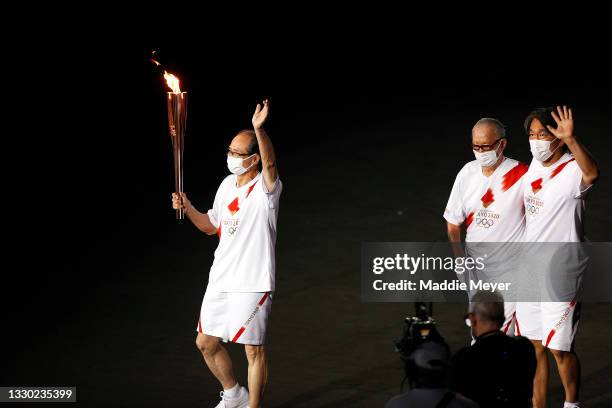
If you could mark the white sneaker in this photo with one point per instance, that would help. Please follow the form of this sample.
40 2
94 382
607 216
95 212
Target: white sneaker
240 401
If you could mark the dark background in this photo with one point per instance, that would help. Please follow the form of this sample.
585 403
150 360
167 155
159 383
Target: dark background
104 286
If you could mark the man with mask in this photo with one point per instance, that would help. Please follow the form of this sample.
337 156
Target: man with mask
560 174
238 298
487 201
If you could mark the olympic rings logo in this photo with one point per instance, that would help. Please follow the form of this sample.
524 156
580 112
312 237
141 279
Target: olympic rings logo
484 222
532 209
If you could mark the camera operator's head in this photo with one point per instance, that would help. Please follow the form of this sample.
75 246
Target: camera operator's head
428 364
485 313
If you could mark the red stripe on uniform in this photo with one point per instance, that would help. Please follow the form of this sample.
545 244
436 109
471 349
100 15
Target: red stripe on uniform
251 188
550 336
509 323
219 231
469 219
199 325
560 167
263 299
514 175
518 329
505 330
242 329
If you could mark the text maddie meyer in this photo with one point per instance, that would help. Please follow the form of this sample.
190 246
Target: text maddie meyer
446 285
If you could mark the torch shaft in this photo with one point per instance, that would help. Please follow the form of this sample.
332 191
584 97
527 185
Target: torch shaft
177 119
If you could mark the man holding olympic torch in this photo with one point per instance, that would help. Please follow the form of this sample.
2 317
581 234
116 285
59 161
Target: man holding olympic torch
238 298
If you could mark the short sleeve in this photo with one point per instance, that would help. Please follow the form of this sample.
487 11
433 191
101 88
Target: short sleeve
273 195
579 188
215 212
455 211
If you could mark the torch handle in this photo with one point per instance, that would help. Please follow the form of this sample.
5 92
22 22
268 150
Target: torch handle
177 117
178 182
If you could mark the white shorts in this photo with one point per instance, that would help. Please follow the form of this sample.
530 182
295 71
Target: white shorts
239 317
553 323
509 325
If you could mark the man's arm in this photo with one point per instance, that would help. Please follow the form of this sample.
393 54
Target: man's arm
454 237
565 132
266 150
454 232
586 162
455 211
200 220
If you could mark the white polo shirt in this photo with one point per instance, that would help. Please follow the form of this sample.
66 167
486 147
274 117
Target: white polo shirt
555 201
490 207
246 218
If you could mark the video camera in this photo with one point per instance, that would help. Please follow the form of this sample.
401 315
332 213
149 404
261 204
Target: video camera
419 330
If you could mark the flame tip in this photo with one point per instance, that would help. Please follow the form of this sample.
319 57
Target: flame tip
173 82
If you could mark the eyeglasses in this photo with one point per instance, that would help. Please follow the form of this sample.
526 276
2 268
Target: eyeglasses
485 147
237 154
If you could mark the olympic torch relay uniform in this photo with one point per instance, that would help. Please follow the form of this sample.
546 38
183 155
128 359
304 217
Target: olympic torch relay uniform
491 209
238 297
555 201
555 206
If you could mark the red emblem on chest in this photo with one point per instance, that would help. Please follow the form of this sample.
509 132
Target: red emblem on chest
536 185
487 199
233 206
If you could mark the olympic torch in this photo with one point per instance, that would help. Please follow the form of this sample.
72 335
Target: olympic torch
177 120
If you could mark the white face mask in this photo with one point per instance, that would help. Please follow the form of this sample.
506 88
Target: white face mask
234 164
540 149
486 159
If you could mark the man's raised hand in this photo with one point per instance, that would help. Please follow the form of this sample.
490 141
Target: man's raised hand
565 123
261 114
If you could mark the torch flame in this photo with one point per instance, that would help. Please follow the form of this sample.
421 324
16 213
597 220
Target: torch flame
173 82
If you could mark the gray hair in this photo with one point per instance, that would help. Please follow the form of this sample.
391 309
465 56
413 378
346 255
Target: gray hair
488 306
499 127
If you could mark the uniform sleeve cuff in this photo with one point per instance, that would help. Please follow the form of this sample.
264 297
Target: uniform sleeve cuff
213 220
